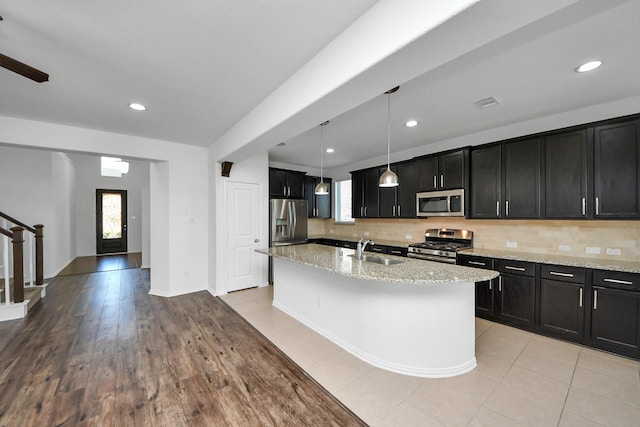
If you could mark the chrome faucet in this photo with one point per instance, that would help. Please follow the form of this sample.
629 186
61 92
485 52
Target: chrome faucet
361 245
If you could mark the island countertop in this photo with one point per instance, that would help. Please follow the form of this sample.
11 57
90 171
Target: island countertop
337 260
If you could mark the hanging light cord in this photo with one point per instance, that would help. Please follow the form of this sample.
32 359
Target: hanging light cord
321 151
388 129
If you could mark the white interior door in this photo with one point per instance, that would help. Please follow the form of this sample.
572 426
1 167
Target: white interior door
243 235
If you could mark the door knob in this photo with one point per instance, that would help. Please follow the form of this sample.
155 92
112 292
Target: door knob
256 240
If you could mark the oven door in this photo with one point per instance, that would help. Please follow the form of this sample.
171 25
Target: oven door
440 203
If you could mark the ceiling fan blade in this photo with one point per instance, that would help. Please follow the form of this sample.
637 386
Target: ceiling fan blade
23 69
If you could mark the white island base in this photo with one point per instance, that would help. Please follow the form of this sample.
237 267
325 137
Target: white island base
424 330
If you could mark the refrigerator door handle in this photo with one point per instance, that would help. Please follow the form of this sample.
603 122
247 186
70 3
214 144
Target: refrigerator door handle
292 215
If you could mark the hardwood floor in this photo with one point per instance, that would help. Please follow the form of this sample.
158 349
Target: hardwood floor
92 264
100 351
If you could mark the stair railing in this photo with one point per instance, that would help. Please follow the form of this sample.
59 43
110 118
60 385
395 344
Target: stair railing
15 232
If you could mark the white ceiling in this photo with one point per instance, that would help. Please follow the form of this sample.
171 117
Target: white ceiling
199 65
202 65
530 71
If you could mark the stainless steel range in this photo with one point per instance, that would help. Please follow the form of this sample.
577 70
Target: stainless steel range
441 244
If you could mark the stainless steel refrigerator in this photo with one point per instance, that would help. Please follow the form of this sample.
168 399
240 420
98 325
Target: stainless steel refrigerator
287 224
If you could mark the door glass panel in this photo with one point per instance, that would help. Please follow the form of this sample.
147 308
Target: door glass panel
111 220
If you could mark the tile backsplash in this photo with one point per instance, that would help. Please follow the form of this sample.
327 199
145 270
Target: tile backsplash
616 240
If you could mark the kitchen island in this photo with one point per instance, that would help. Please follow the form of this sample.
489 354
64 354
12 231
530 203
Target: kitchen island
404 315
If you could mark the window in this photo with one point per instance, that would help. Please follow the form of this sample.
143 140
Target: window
343 202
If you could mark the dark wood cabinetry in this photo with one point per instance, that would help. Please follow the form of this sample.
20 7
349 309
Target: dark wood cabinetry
562 301
616 170
516 292
506 180
484 290
400 201
318 206
566 174
615 312
445 171
364 190
286 183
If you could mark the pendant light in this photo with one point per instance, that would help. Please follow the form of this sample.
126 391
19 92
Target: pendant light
322 188
389 178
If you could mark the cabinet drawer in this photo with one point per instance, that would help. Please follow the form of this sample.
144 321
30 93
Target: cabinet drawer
520 268
563 273
393 250
475 261
617 280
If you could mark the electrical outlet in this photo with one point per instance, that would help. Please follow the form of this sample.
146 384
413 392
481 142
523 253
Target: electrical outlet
564 247
407 236
331 230
512 244
614 251
366 233
592 250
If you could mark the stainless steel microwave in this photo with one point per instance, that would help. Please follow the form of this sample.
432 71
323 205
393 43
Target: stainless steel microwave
440 203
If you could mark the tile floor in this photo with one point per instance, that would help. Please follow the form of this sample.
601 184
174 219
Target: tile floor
521 378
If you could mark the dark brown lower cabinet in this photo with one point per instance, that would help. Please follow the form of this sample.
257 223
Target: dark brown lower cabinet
484 290
516 298
562 301
615 312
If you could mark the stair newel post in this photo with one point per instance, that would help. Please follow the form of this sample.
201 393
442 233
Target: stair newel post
18 271
39 254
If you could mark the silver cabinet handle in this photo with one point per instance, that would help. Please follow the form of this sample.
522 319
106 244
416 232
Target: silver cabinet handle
584 206
284 190
498 208
555 273
500 284
595 299
361 211
597 206
441 180
399 210
477 263
394 211
435 181
508 267
580 297
619 282
490 285
507 208
365 211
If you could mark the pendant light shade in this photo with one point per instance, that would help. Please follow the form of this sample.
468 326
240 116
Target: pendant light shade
322 188
388 177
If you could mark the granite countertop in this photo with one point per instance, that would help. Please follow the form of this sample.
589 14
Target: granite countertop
604 264
396 243
337 260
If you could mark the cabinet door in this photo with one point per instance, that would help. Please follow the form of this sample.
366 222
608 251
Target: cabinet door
617 170
562 308
357 194
428 178
295 182
451 169
323 203
277 183
566 175
516 299
408 175
486 179
388 202
309 195
615 320
371 201
484 290
522 179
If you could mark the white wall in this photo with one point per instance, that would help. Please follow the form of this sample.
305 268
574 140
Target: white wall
37 188
90 179
178 188
254 169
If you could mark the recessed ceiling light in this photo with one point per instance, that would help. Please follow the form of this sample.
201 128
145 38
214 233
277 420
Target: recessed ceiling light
330 150
588 66
137 107
411 123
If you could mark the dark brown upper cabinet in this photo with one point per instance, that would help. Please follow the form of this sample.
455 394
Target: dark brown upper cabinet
444 171
286 183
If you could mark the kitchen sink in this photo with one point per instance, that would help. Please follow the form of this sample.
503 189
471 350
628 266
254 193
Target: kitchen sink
378 259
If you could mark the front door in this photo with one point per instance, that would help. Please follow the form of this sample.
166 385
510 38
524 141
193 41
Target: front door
243 228
111 221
